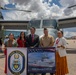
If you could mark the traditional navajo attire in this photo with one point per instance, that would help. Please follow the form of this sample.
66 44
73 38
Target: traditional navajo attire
61 60
11 43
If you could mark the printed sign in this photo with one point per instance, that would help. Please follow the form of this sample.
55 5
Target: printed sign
16 61
41 60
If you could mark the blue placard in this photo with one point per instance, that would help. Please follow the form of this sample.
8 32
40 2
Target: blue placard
41 60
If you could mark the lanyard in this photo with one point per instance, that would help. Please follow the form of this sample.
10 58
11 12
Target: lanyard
57 41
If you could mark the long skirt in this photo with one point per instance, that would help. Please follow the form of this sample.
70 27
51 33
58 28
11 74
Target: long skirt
5 52
61 65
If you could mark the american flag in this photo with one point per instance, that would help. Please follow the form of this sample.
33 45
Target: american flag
49 49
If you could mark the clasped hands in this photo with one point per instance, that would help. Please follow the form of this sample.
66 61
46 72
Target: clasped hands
60 46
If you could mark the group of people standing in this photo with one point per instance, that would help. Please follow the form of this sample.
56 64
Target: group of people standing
32 40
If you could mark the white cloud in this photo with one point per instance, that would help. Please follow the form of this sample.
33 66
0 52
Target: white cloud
50 0
56 9
21 2
67 2
16 15
40 9
69 34
3 2
68 11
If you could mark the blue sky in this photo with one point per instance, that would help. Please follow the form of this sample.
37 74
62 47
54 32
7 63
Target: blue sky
10 5
53 1
56 2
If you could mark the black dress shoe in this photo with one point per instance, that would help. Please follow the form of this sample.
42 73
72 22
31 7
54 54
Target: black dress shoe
28 73
43 74
51 73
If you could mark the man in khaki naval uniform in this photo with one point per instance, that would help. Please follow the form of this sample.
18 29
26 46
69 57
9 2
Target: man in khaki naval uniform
46 41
